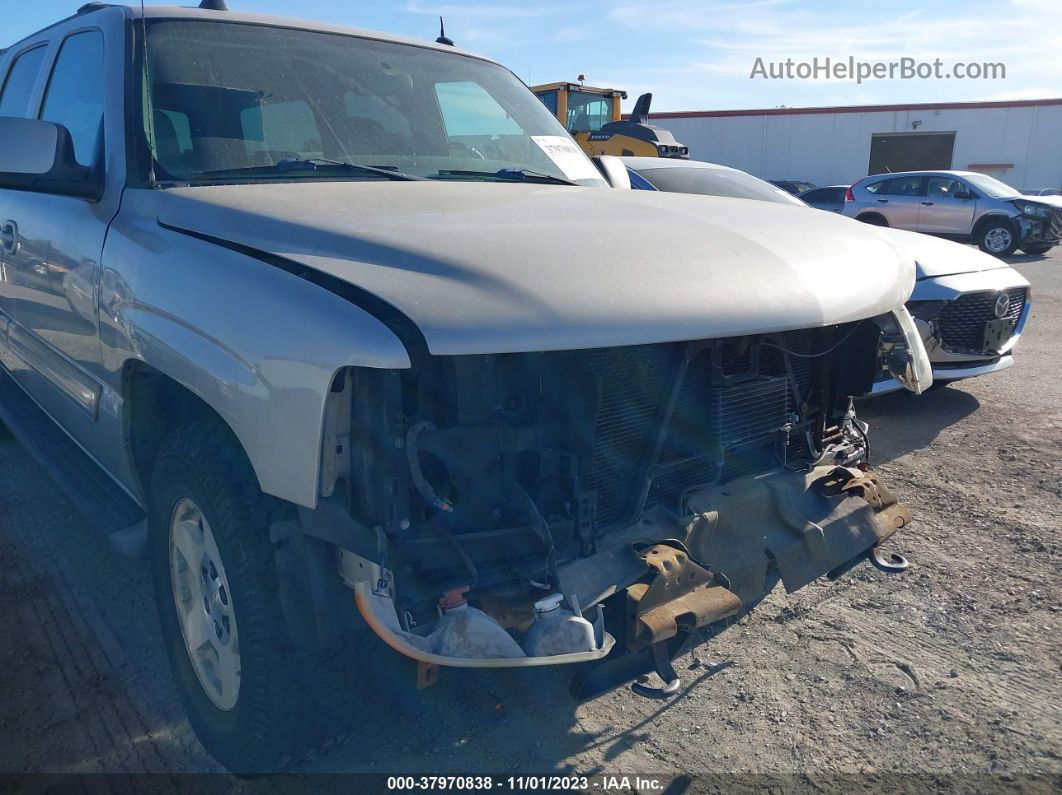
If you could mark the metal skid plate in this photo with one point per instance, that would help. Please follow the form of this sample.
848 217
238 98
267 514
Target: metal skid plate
804 524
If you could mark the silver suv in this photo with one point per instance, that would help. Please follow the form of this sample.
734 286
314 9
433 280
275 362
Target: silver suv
961 204
295 311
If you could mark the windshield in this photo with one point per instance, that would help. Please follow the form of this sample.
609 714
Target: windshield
238 101
990 186
716 182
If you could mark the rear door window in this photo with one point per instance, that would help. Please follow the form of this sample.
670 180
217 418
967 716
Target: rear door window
18 87
944 187
905 186
75 93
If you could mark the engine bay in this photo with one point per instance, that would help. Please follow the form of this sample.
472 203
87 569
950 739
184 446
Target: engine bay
486 473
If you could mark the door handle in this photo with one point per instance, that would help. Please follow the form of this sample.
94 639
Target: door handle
927 204
883 201
9 237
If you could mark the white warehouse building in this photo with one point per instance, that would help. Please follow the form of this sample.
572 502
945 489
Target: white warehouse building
1019 141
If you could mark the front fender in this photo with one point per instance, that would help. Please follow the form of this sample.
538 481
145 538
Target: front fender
259 345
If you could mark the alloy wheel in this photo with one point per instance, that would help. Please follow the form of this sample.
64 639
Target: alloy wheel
203 600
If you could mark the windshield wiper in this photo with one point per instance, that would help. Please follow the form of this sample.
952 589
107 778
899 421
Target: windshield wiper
507 174
310 164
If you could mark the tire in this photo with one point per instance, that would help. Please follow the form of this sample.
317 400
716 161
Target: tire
280 705
874 219
997 237
1035 251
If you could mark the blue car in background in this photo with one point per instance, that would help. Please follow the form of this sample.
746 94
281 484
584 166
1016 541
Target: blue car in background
830 198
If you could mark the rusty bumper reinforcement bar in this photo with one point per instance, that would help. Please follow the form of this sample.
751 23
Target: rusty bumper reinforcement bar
681 597
891 515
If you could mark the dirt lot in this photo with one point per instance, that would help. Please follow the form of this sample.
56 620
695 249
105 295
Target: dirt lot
953 667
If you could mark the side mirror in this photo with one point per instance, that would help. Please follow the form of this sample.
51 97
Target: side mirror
38 156
613 170
963 194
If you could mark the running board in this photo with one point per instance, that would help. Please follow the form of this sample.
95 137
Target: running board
103 505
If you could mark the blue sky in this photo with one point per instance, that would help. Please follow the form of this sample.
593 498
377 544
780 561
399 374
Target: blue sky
697 55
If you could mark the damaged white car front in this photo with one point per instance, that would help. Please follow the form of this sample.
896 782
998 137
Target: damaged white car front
970 309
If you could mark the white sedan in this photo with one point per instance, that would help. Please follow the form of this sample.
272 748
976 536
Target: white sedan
970 307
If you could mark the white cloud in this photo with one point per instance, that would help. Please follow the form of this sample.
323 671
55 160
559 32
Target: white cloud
716 44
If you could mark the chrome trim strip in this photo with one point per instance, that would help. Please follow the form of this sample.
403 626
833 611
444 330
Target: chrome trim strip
1020 327
969 372
890 385
57 369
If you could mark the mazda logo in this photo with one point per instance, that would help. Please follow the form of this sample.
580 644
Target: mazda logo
1002 305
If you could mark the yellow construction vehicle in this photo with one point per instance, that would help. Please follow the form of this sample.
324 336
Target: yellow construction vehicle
592 115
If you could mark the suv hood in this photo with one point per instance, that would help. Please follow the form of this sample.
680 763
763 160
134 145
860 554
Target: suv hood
502 267
935 256
1053 201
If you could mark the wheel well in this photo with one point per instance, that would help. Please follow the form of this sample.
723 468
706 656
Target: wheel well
981 222
877 219
155 406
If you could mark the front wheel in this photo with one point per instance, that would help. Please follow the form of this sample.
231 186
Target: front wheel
253 702
997 237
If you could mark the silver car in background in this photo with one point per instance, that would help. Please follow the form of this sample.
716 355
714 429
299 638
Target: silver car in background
961 204
970 308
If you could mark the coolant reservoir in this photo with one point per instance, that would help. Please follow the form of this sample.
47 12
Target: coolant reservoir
558 631
464 631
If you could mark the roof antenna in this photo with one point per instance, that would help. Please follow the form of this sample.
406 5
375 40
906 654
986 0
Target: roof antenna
214 5
443 39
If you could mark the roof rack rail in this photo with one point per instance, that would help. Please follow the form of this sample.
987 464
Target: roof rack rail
93 7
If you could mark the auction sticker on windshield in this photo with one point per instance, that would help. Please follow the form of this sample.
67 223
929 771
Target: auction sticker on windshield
567 156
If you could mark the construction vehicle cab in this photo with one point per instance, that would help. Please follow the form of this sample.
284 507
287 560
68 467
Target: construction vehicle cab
592 115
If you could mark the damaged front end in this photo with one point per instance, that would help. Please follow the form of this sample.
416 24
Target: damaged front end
567 506
1038 224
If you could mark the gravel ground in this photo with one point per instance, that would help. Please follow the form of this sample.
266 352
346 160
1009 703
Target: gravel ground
951 668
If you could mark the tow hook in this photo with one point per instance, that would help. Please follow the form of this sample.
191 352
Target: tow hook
889 562
664 669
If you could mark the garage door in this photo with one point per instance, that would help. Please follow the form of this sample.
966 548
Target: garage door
910 152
